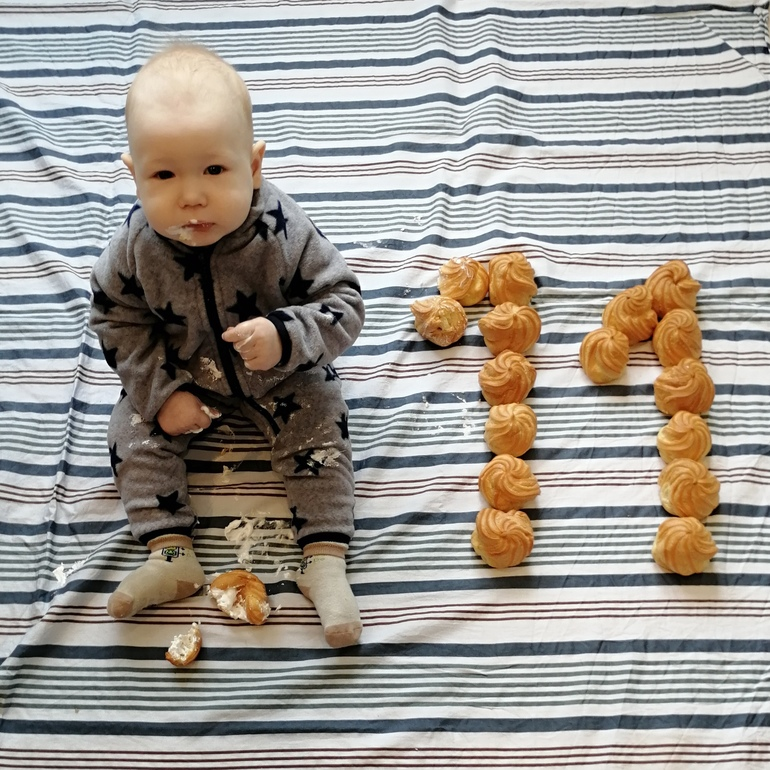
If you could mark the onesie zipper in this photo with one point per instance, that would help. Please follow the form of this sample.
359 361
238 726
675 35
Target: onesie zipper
223 348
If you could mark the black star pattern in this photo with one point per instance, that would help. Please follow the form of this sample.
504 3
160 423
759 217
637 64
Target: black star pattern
103 301
261 228
335 314
343 425
131 286
298 286
309 364
173 361
170 502
245 307
115 459
169 316
331 373
280 221
297 521
307 462
193 264
284 407
111 357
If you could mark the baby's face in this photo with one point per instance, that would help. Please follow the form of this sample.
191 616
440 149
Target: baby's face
195 170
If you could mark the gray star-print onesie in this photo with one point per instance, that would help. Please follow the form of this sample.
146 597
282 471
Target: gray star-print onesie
159 309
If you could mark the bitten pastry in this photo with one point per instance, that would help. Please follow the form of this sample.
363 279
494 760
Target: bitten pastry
506 379
502 538
510 429
688 488
683 546
510 327
438 319
631 313
508 483
672 286
677 336
463 279
511 279
184 648
241 595
684 435
686 386
604 354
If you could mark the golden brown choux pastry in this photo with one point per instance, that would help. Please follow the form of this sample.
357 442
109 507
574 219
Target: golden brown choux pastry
684 435
184 648
440 320
508 483
502 538
510 327
511 279
677 336
241 595
604 353
510 429
672 286
683 546
631 313
507 379
685 386
463 279
688 488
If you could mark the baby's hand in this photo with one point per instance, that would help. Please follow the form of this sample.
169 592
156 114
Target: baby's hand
183 412
257 342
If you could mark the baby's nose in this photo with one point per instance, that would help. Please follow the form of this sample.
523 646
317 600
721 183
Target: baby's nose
192 194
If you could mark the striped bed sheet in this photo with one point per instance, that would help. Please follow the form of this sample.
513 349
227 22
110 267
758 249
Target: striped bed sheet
599 139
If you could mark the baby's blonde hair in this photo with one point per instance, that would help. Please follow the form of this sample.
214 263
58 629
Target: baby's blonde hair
196 66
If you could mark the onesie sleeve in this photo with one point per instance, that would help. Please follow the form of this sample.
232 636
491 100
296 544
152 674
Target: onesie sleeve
324 313
129 332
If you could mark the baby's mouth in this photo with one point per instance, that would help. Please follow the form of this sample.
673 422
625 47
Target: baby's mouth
186 233
198 227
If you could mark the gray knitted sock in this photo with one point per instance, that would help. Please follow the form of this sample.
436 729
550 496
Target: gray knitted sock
322 579
171 572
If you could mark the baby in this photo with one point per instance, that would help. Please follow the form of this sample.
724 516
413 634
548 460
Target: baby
218 295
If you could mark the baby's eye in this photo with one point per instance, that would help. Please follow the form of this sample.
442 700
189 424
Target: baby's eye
214 170
164 174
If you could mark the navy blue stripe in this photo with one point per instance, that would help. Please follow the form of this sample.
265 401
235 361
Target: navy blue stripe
489 723
408 64
118 30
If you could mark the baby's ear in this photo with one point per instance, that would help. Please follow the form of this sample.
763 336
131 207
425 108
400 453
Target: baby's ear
128 162
257 156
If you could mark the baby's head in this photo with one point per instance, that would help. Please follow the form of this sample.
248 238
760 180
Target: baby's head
191 150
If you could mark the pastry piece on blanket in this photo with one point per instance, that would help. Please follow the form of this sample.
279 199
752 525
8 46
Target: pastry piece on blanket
510 429
502 538
686 386
507 483
672 286
683 546
184 648
463 279
507 378
438 319
677 336
241 595
631 313
510 327
511 279
604 353
684 435
688 488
